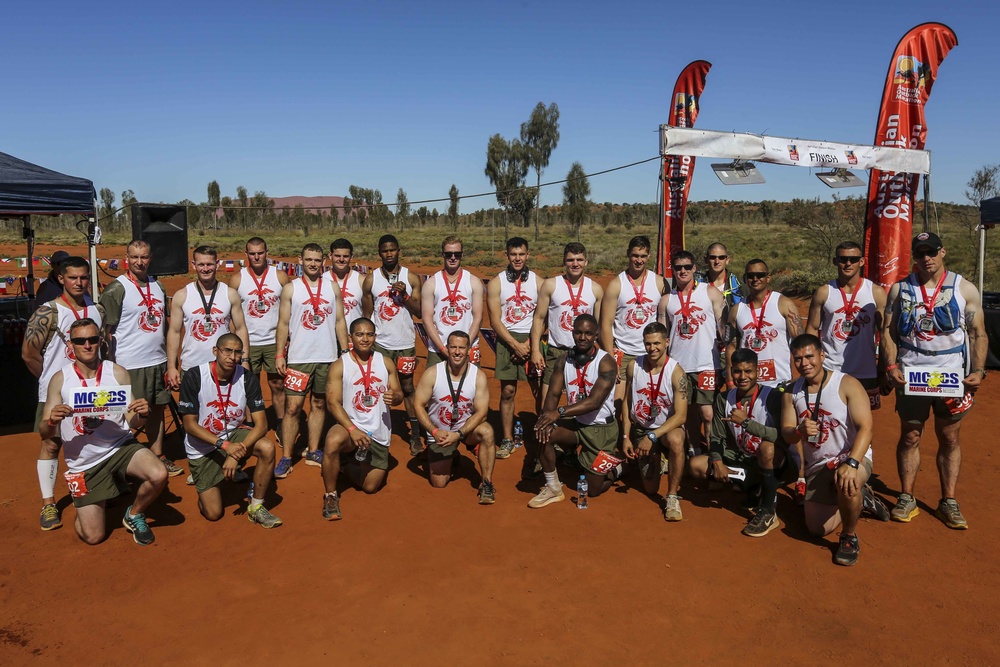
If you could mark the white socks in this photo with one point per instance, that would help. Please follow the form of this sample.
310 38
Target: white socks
47 469
254 502
552 479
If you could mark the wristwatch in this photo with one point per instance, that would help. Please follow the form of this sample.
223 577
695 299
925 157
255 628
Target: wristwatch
651 436
562 410
220 443
980 370
853 463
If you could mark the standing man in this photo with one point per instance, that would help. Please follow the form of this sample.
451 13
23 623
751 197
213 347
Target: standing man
561 300
100 450
259 287
655 415
46 349
452 302
311 322
717 260
933 321
390 298
829 413
764 322
135 307
845 315
590 401
203 310
359 392
628 305
694 313
452 402
216 398
512 298
347 280
744 436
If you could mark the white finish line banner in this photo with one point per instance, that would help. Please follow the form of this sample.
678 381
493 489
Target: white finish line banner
793 152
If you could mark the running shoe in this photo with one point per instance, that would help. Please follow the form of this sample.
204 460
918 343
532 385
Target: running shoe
284 467
487 494
416 447
260 515
948 511
505 448
314 458
547 496
905 509
49 518
761 523
190 480
172 469
136 524
331 508
872 505
672 509
847 551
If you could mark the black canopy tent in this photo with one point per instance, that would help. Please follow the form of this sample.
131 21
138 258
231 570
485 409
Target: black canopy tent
27 189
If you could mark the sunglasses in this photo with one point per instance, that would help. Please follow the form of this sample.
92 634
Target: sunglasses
717 256
683 267
757 275
453 255
920 254
84 340
848 259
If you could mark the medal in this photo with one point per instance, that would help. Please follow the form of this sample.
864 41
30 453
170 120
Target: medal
150 318
368 400
452 311
517 313
847 325
209 326
454 416
316 320
640 315
260 303
757 343
685 329
926 324
654 412
393 278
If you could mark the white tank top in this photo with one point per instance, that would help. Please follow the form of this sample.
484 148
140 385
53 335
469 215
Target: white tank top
579 382
200 333
260 304
57 352
89 440
935 340
451 312
849 337
836 429
693 333
312 324
636 309
518 301
350 294
219 414
648 390
441 410
363 403
749 444
769 340
393 325
566 305
140 337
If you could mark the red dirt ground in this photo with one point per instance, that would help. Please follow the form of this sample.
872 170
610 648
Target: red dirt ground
414 575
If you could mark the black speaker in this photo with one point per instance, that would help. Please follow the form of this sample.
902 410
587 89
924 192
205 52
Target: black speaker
164 228
989 211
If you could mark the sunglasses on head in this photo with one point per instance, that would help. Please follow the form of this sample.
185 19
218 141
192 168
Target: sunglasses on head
683 267
453 255
756 275
83 340
920 254
847 259
718 256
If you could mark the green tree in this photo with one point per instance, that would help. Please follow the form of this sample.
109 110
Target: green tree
243 197
402 207
540 136
982 185
453 207
506 167
576 190
128 198
107 205
262 208
214 201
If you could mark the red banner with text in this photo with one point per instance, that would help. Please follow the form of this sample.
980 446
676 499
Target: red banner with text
679 169
901 124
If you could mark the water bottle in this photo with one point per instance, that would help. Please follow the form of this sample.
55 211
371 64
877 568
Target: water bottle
581 493
518 434
360 454
250 492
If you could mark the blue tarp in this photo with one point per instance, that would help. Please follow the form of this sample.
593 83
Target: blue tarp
27 188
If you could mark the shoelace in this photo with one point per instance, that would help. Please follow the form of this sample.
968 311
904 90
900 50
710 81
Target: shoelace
50 512
139 522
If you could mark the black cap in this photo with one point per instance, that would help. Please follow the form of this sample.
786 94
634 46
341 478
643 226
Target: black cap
929 239
58 256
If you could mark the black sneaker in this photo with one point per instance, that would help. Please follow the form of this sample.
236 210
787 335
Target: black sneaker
331 508
761 523
872 505
136 524
847 552
416 446
487 494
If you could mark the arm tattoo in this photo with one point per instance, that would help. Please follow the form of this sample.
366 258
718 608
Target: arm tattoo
608 375
684 385
37 334
970 320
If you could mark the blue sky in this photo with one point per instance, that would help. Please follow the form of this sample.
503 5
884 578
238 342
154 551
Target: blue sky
307 98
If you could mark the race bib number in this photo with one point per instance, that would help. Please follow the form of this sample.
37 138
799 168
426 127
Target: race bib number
937 382
619 357
708 380
604 463
875 398
474 355
958 406
296 380
765 371
406 365
77 483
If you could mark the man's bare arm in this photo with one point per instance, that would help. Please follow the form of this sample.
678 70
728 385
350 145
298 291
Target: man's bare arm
36 337
815 320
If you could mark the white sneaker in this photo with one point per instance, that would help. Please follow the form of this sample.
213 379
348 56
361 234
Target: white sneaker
547 496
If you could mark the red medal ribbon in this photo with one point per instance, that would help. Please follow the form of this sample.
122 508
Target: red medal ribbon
97 380
575 300
259 283
758 322
314 299
637 290
753 401
849 304
654 392
453 294
928 305
77 315
147 296
685 306
366 374
223 399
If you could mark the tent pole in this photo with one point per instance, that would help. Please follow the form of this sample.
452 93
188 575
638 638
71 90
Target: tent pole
29 235
93 238
927 197
982 256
